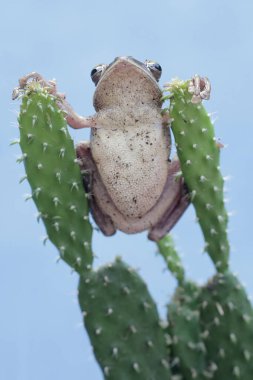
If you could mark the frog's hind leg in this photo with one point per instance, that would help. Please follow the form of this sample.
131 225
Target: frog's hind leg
89 173
180 202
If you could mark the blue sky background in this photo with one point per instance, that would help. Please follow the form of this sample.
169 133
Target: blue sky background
41 332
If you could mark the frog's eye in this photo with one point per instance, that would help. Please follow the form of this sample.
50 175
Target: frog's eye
97 72
155 69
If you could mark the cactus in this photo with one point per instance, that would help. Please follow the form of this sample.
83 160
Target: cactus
210 328
198 153
122 321
54 176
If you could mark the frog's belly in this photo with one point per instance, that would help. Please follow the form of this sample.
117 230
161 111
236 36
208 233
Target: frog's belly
133 165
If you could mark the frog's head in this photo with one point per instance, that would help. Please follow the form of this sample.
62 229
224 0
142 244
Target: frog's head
126 80
151 67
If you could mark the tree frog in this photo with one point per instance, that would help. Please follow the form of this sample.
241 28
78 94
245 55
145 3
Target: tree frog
126 166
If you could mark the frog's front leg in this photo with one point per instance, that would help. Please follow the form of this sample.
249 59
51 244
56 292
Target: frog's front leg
73 119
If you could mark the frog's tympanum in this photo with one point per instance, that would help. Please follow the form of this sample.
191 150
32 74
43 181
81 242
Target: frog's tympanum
126 166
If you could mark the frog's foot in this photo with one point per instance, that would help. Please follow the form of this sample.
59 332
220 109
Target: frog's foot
50 85
179 203
73 119
89 173
200 88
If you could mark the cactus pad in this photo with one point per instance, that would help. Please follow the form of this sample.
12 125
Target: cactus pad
123 325
187 347
54 176
167 250
227 324
199 159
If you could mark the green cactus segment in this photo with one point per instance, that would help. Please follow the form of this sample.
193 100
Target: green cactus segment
167 250
54 176
187 347
227 323
200 159
123 324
